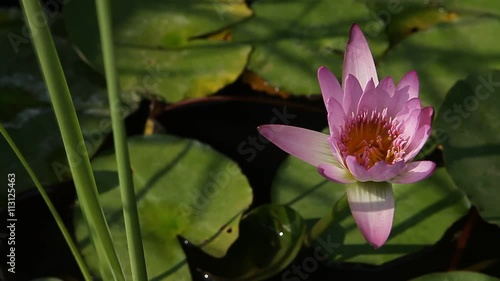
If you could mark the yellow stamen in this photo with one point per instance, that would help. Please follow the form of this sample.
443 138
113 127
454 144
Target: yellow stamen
371 138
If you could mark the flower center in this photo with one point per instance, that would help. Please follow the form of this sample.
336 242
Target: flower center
372 137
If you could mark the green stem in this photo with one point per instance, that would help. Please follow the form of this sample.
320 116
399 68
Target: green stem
48 202
130 214
71 134
326 221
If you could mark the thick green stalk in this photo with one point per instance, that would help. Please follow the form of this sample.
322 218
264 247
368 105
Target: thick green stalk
52 209
71 134
130 214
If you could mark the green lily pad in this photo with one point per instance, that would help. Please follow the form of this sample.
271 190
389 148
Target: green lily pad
444 54
468 127
271 236
456 276
26 111
183 188
424 211
292 39
157 44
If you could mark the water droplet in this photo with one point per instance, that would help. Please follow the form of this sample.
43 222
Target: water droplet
276 89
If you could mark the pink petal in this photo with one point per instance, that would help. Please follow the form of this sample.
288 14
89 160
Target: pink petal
307 145
384 99
336 150
330 86
375 100
417 142
387 84
367 101
382 171
398 102
335 173
370 85
410 80
379 172
359 172
372 206
410 125
408 107
418 139
415 171
336 117
426 115
352 95
358 59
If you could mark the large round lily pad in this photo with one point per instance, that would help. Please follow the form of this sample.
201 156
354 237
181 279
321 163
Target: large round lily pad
184 188
468 127
157 44
424 211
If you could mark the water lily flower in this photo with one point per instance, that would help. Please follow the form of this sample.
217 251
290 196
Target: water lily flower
376 130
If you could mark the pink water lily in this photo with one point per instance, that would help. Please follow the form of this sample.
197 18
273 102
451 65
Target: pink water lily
376 130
